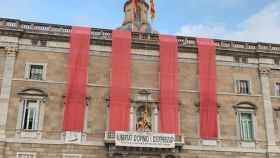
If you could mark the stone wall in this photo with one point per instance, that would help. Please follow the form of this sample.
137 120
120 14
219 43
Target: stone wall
57 150
218 154
145 75
2 63
53 151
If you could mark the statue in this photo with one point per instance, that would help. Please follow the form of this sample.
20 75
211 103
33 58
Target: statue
143 122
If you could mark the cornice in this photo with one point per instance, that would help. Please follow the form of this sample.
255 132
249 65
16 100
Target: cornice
60 33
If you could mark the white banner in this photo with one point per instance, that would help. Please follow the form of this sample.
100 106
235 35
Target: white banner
151 140
73 137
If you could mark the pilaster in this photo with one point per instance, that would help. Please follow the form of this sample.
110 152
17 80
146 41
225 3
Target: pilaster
268 110
6 87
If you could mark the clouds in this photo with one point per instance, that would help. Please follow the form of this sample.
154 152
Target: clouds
263 26
214 31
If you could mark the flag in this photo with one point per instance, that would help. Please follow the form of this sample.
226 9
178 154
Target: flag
134 12
134 8
152 9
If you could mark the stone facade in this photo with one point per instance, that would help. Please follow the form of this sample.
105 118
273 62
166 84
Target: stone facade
18 47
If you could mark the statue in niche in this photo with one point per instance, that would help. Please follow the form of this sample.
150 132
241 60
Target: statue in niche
144 119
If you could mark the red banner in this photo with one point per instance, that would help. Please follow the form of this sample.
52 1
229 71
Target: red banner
120 84
169 116
208 99
75 100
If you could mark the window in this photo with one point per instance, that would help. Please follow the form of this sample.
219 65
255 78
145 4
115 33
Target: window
72 156
43 43
30 115
246 126
35 71
277 120
277 89
34 42
242 86
25 155
246 123
277 61
239 59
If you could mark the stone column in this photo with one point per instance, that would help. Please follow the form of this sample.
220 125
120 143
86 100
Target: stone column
156 121
131 119
268 110
6 87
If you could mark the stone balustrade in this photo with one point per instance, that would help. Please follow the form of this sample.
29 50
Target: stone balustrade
148 38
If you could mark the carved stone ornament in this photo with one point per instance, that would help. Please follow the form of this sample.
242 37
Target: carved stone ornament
11 51
264 70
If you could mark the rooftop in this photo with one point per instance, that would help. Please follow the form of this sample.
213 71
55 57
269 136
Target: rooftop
14 27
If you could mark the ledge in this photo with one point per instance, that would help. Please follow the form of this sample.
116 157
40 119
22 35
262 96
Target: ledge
140 40
28 134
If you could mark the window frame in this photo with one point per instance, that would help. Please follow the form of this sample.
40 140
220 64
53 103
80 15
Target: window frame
36 119
239 109
277 123
242 137
31 93
277 61
240 59
237 86
28 69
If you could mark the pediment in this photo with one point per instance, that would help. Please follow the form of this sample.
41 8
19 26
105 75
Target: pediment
33 92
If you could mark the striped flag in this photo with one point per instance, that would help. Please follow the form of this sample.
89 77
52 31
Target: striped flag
152 9
133 12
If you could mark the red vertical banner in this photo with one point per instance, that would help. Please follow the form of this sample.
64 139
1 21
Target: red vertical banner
120 83
169 116
208 98
75 100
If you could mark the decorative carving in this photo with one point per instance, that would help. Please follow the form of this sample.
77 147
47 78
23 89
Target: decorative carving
264 70
144 119
11 51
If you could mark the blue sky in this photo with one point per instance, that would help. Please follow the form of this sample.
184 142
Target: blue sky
249 20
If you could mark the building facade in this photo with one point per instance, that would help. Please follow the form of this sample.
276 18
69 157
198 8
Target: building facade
33 79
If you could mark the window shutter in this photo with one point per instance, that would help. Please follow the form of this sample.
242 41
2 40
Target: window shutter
246 127
237 86
23 114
